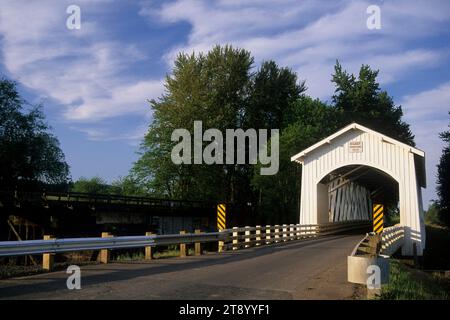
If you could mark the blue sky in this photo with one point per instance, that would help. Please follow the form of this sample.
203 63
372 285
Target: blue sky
94 82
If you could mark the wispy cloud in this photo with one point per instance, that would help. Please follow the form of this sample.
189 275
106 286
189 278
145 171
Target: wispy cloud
427 111
83 70
310 36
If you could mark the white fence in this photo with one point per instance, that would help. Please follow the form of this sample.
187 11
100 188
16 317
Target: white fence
392 239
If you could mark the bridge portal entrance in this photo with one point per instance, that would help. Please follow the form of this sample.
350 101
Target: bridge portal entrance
344 174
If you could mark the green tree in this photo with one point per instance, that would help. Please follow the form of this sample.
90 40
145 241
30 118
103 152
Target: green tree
278 195
127 186
29 154
443 179
271 94
220 90
95 185
360 99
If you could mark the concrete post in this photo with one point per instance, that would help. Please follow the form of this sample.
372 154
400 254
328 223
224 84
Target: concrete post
183 251
149 249
48 258
198 245
104 253
285 235
235 240
298 232
277 235
291 232
268 233
258 235
247 236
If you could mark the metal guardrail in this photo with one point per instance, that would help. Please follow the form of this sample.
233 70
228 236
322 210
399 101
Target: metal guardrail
230 238
28 247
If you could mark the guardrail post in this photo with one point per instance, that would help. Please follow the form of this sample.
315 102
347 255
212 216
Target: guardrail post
277 232
268 232
258 235
104 253
183 252
297 232
285 235
198 245
149 249
291 232
48 258
235 238
247 236
221 245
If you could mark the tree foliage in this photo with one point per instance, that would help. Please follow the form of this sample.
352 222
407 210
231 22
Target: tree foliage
220 90
94 185
443 179
29 153
360 99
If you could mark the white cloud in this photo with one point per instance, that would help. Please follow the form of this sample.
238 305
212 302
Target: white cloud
309 36
427 112
83 70
106 134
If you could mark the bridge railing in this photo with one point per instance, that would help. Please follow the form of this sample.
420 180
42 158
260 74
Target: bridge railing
71 198
374 249
392 239
387 243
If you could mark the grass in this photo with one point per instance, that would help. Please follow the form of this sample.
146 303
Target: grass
406 283
171 252
409 284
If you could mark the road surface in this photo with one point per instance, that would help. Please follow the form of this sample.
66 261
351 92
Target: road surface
310 269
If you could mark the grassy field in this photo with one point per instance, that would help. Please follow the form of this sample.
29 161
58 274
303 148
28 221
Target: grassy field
406 283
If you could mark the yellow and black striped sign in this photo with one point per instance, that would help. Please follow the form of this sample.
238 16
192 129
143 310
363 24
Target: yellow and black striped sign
221 216
378 211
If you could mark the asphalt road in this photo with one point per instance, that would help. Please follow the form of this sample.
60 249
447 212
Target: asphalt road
312 269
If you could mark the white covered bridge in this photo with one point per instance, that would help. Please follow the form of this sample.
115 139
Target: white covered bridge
347 173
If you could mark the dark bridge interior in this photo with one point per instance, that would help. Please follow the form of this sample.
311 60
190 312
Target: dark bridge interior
383 188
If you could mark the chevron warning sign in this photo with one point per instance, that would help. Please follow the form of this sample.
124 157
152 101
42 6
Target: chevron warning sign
378 211
221 216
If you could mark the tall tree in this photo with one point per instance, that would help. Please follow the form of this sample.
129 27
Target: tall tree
28 152
360 99
219 89
271 94
95 185
443 179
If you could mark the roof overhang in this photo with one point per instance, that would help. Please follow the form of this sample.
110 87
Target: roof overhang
419 155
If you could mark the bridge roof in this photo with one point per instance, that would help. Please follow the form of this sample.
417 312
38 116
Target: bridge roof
418 154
